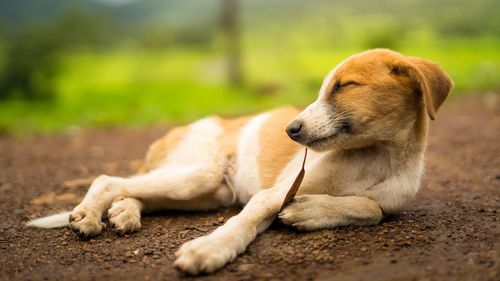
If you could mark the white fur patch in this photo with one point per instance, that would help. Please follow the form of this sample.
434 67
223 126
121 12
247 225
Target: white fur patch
317 119
200 142
247 179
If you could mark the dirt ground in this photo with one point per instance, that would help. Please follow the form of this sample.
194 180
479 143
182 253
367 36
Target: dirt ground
450 232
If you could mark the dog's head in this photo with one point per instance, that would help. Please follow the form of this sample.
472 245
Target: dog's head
372 96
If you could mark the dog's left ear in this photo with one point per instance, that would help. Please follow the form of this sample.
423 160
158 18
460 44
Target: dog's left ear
433 82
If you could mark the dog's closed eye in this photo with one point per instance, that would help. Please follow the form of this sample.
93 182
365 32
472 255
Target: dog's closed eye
338 85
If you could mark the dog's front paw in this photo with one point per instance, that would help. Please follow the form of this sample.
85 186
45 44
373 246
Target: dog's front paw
85 222
204 255
306 213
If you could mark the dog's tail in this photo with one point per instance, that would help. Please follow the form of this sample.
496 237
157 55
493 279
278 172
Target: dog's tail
52 221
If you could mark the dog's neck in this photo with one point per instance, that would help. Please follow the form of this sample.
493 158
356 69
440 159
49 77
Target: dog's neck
412 138
407 145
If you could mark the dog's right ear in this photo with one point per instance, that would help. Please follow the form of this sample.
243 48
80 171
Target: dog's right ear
434 84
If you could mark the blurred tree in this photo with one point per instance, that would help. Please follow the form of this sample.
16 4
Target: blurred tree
383 35
31 55
231 30
29 65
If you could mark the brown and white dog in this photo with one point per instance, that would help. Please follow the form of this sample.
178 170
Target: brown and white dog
367 131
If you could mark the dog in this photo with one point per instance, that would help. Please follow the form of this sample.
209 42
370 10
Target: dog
366 133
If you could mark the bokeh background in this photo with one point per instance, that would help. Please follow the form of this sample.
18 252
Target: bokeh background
67 64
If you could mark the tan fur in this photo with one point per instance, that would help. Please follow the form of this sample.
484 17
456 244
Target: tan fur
391 93
434 84
276 148
229 139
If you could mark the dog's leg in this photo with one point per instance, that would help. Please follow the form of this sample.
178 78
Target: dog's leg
192 187
320 211
211 252
190 177
187 188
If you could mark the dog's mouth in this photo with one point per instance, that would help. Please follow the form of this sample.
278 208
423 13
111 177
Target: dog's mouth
345 128
318 142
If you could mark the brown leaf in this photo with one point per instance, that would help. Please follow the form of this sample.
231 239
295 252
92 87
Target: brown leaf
296 184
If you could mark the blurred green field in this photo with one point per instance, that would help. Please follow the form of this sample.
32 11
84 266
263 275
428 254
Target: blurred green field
141 87
69 64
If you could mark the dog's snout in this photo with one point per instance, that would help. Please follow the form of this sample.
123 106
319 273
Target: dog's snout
294 130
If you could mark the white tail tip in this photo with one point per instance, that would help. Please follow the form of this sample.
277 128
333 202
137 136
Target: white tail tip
53 221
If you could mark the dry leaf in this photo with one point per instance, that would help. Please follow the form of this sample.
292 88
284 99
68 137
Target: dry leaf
296 183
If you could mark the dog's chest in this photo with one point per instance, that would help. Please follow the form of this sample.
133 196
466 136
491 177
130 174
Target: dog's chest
337 175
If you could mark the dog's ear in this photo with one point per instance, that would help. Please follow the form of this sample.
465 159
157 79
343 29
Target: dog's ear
434 84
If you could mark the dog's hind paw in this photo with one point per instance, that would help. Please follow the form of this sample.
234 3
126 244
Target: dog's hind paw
125 216
203 255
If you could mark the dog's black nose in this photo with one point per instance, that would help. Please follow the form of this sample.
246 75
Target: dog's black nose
294 129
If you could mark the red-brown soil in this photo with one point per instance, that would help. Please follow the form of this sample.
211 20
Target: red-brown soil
450 232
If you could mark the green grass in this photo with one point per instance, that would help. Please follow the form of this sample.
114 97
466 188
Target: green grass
138 87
